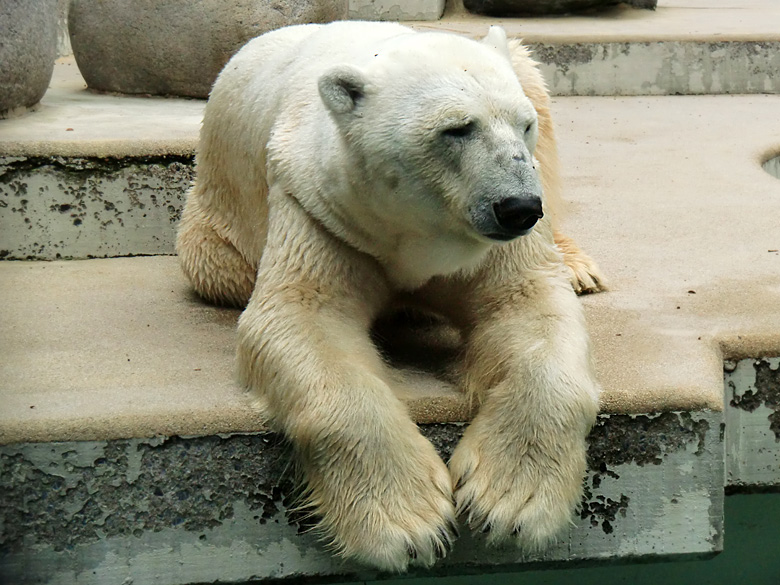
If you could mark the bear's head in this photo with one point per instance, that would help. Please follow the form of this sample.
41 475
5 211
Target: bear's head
443 139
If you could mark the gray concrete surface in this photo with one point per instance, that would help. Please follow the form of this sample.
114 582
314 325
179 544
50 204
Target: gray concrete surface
668 68
217 508
73 121
396 9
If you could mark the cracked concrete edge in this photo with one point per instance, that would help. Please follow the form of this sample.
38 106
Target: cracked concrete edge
211 508
752 420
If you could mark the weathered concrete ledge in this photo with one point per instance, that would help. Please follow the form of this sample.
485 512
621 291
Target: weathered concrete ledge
676 20
752 418
660 68
396 9
90 207
217 508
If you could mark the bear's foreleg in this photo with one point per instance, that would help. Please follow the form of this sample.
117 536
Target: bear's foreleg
519 468
383 495
217 271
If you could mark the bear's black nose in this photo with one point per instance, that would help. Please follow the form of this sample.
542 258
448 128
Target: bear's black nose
516 216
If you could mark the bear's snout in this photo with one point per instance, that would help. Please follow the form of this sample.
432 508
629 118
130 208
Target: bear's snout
516 216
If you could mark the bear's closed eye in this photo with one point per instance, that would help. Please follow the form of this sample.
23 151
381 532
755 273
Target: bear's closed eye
460 131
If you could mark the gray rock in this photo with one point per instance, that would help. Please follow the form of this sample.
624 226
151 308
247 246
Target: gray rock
28 48
175 47
542 7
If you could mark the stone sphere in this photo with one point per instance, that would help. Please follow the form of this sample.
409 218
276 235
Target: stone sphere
175 47
28 48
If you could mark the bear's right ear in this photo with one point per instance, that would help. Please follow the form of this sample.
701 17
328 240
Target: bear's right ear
342 88
496 39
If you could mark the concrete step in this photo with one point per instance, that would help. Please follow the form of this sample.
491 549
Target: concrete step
99 176
90 175
683 47
122 433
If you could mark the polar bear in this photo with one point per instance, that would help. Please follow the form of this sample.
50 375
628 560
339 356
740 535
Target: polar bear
349 167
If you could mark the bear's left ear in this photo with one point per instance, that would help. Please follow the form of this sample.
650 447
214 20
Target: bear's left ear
342 88
496 39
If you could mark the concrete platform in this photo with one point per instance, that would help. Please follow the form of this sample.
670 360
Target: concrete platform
73 121
117 384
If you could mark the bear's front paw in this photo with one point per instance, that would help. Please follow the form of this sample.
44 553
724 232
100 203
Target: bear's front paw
513 485
584 273
386 507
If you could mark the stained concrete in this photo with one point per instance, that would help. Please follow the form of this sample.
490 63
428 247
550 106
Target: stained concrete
682 47
117 348
396 9
198 509
56 207
753 424
652 68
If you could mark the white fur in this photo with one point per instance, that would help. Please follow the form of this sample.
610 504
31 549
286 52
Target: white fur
328 184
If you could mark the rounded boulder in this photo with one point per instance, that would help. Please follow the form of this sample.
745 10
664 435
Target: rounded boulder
28 48
175 47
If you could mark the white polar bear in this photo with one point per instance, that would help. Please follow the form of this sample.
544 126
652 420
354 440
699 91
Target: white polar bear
343 167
